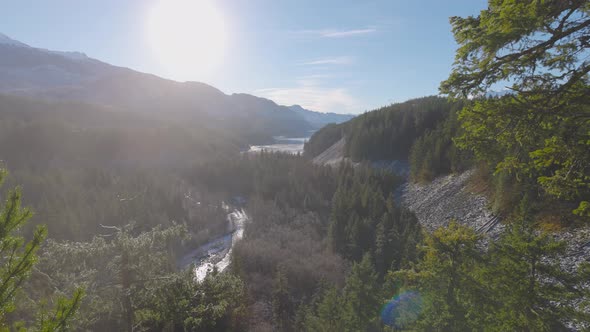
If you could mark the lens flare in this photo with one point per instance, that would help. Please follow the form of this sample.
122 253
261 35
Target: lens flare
402 310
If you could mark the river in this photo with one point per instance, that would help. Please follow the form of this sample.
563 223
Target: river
217 253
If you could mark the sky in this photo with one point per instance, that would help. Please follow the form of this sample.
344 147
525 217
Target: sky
345 56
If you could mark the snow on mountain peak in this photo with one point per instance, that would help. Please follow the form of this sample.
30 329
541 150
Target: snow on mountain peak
5 40
78 56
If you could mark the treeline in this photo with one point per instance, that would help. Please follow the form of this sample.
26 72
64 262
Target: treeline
362 265
84 165
129 282
387 133
366 220
516 285
322 139
112 189
434 153
367 266
308 224
288 180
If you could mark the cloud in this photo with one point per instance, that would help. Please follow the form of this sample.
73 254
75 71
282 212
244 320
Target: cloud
338 60
311 94
347 33
336 33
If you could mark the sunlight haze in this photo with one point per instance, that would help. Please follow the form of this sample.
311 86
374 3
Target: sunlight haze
295 165
189 38
328 56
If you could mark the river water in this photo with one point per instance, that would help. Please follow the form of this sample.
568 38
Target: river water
217 253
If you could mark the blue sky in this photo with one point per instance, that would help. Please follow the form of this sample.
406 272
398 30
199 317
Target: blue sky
330 56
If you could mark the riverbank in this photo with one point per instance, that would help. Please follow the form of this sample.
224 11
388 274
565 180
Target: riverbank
216 254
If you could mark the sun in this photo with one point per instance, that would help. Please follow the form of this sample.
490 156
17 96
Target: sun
188 37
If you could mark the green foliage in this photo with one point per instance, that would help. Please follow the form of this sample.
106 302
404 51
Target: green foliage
323 139
445 278
355 308
365 219
434 153
60 318
119 272
531 290
542 130
85 165
17 258
288 180
361 296
328 315
387 133
516 285
297 212
282 303
179 303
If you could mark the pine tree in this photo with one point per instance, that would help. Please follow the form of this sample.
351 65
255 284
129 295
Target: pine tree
17 259
328 314
531 290
446 278
282 307
361 296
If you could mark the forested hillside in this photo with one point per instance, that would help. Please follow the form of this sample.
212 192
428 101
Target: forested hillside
63 76
85 165
387 133
309 223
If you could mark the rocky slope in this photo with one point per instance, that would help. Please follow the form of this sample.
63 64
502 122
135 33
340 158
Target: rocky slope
448 198
333 156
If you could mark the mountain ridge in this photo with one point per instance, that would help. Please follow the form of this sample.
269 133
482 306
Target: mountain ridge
320 119
56 75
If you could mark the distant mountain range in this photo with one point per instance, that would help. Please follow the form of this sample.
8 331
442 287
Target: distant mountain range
319 120
55 75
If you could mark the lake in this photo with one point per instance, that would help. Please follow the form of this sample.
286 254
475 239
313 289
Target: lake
293 145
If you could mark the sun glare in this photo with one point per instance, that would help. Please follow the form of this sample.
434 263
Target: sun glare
188 37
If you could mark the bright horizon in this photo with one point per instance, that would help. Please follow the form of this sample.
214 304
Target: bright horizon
342 57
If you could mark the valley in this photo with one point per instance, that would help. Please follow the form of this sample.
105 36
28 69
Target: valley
290 166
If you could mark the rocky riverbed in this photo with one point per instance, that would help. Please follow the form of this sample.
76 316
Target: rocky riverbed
217 253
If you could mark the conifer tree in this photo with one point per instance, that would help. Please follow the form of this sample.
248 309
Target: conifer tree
281 301
445 277
541 130
328 314
17 259
361 296
530 288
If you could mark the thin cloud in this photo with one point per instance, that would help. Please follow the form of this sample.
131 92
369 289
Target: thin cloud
336 33
347 33
338 60
310 94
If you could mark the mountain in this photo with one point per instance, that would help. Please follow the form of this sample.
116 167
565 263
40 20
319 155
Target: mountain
54 75
387 133
4 39
319 120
